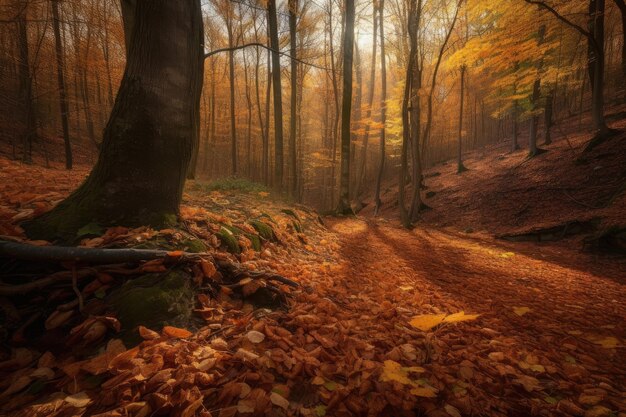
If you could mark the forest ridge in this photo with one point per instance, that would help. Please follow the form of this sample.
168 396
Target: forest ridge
509 70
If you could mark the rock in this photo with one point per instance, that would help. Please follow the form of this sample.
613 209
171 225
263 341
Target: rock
153 301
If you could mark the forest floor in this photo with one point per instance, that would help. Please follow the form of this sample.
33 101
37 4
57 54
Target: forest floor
439 321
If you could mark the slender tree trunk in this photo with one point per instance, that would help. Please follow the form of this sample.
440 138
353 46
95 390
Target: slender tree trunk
61 82
415 118
258 104
278 98
293 183
370 102
406 103
148 141
596 64
346 109
357 116
514 116
383 106
26 89
460 167
334 69
266 145
231 77
547 120
622 7
534 120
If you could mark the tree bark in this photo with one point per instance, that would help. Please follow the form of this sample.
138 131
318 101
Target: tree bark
415 116
460 167
596 63
61 82
370 102
26 89
231 77
293 183
346 110
383 106
147 145
278 99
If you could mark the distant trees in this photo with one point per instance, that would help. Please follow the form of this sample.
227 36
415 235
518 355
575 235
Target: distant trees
274 65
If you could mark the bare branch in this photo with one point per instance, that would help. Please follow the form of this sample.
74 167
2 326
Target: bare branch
260 45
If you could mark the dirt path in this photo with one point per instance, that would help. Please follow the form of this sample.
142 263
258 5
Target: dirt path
564 355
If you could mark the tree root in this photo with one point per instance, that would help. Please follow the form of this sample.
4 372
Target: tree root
602 136
114 258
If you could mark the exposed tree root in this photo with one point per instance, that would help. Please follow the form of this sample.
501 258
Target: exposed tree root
602 136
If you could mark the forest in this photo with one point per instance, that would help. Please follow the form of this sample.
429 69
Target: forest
313 208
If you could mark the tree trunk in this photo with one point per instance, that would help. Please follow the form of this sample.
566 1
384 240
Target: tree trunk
231 77
278 98
26 89
415 118
460 167
515 144
383 106
61 82
148 141
406 103
596 64
547 120
346 110
370 102
128 19
293 183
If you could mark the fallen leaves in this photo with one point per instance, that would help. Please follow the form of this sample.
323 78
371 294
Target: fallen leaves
176 332
520 311
426 322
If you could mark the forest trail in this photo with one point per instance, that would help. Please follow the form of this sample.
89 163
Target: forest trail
546 333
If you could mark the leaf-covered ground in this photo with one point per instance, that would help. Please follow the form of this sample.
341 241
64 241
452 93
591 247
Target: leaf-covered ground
387 322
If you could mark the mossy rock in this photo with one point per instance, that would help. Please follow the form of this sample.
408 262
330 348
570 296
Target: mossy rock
263 229
153 301
256 241
291 213
194 245
228 239
297 226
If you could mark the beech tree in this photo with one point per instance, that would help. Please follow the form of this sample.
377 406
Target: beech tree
148 141
346 110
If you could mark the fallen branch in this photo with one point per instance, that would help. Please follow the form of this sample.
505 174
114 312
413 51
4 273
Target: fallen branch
26 252
10 289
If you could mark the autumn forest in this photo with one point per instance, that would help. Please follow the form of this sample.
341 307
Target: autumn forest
313 208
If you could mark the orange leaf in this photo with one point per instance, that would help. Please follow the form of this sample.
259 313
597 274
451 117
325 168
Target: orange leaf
176 332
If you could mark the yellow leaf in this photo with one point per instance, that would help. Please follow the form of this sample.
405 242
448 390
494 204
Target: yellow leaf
79 400
406 287
607 342
393 371
427 392
598 411
461 316
426 322
520 311
507 255
263 193
318 380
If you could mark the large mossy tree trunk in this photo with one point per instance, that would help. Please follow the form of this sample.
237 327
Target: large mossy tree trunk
148 141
